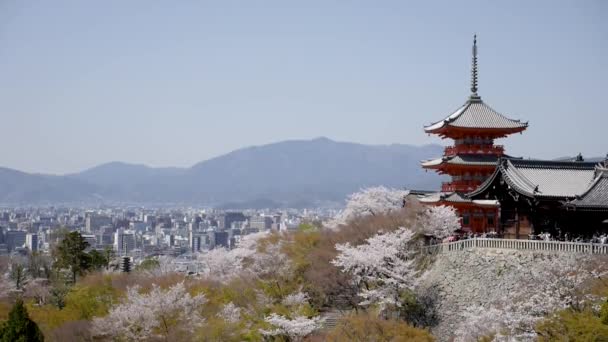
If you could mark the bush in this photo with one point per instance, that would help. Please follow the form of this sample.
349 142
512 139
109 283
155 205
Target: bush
571 325
365 327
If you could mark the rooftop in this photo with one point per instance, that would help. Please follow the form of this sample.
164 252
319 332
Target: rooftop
596 195
489 160
543 178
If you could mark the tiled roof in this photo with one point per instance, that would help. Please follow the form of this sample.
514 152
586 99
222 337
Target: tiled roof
463 159
476 114
540 178
456 198
452 197
596 196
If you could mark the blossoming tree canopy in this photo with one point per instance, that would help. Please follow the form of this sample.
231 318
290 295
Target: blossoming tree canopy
440 221
382 266
370 201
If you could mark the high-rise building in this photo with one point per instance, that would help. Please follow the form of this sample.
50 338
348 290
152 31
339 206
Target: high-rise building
227 219
14 239
31 242
94 221
218 239
124 241
195 241
260 222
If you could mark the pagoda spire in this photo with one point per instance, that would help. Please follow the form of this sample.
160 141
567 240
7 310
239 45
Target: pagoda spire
474 69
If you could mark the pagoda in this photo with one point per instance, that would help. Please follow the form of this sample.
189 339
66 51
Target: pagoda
472 158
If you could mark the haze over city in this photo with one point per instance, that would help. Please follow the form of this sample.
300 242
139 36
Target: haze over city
172 84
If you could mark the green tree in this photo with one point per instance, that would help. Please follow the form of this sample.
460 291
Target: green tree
147 264
70 254
18 274
109 254
19 327
98 259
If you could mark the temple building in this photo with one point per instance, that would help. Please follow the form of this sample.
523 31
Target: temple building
556 197
472 158
514 197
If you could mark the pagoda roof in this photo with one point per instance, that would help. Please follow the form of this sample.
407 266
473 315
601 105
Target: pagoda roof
475 114
596 195
462 159
542 178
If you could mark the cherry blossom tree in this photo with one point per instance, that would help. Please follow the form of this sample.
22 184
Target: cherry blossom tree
382 267
230 313
150 315
295 299
223 264
295 329
439 221
370 201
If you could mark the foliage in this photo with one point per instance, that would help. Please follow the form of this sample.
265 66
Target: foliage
572 325
370 201
365 327
147 265
18 274
97 260
159 313
294 329
39 266
70 253
19 327
440 221
382 267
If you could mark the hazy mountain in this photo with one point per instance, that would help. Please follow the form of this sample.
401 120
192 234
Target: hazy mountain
294 172
18 187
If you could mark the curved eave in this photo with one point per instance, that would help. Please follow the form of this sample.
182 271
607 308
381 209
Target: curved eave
432 163
449 131
486 184
446 166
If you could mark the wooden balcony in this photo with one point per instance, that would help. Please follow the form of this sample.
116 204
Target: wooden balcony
474 149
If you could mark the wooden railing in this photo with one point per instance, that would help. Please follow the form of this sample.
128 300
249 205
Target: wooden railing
523 245
474 149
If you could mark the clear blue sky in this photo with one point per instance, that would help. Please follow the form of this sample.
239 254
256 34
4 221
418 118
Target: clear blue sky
171 83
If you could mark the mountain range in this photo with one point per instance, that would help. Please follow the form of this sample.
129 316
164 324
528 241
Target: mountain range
294 173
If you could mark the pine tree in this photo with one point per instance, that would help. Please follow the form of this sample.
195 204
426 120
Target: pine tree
19 327
71 254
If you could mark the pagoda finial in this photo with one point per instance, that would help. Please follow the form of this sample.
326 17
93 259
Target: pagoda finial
474 68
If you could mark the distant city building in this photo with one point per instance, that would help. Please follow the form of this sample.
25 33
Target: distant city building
31 242
196 242
14 239
91 239
94 222
227 220
124 241
261 222
218 239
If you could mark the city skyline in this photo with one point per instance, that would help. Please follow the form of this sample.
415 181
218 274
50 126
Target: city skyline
216 78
